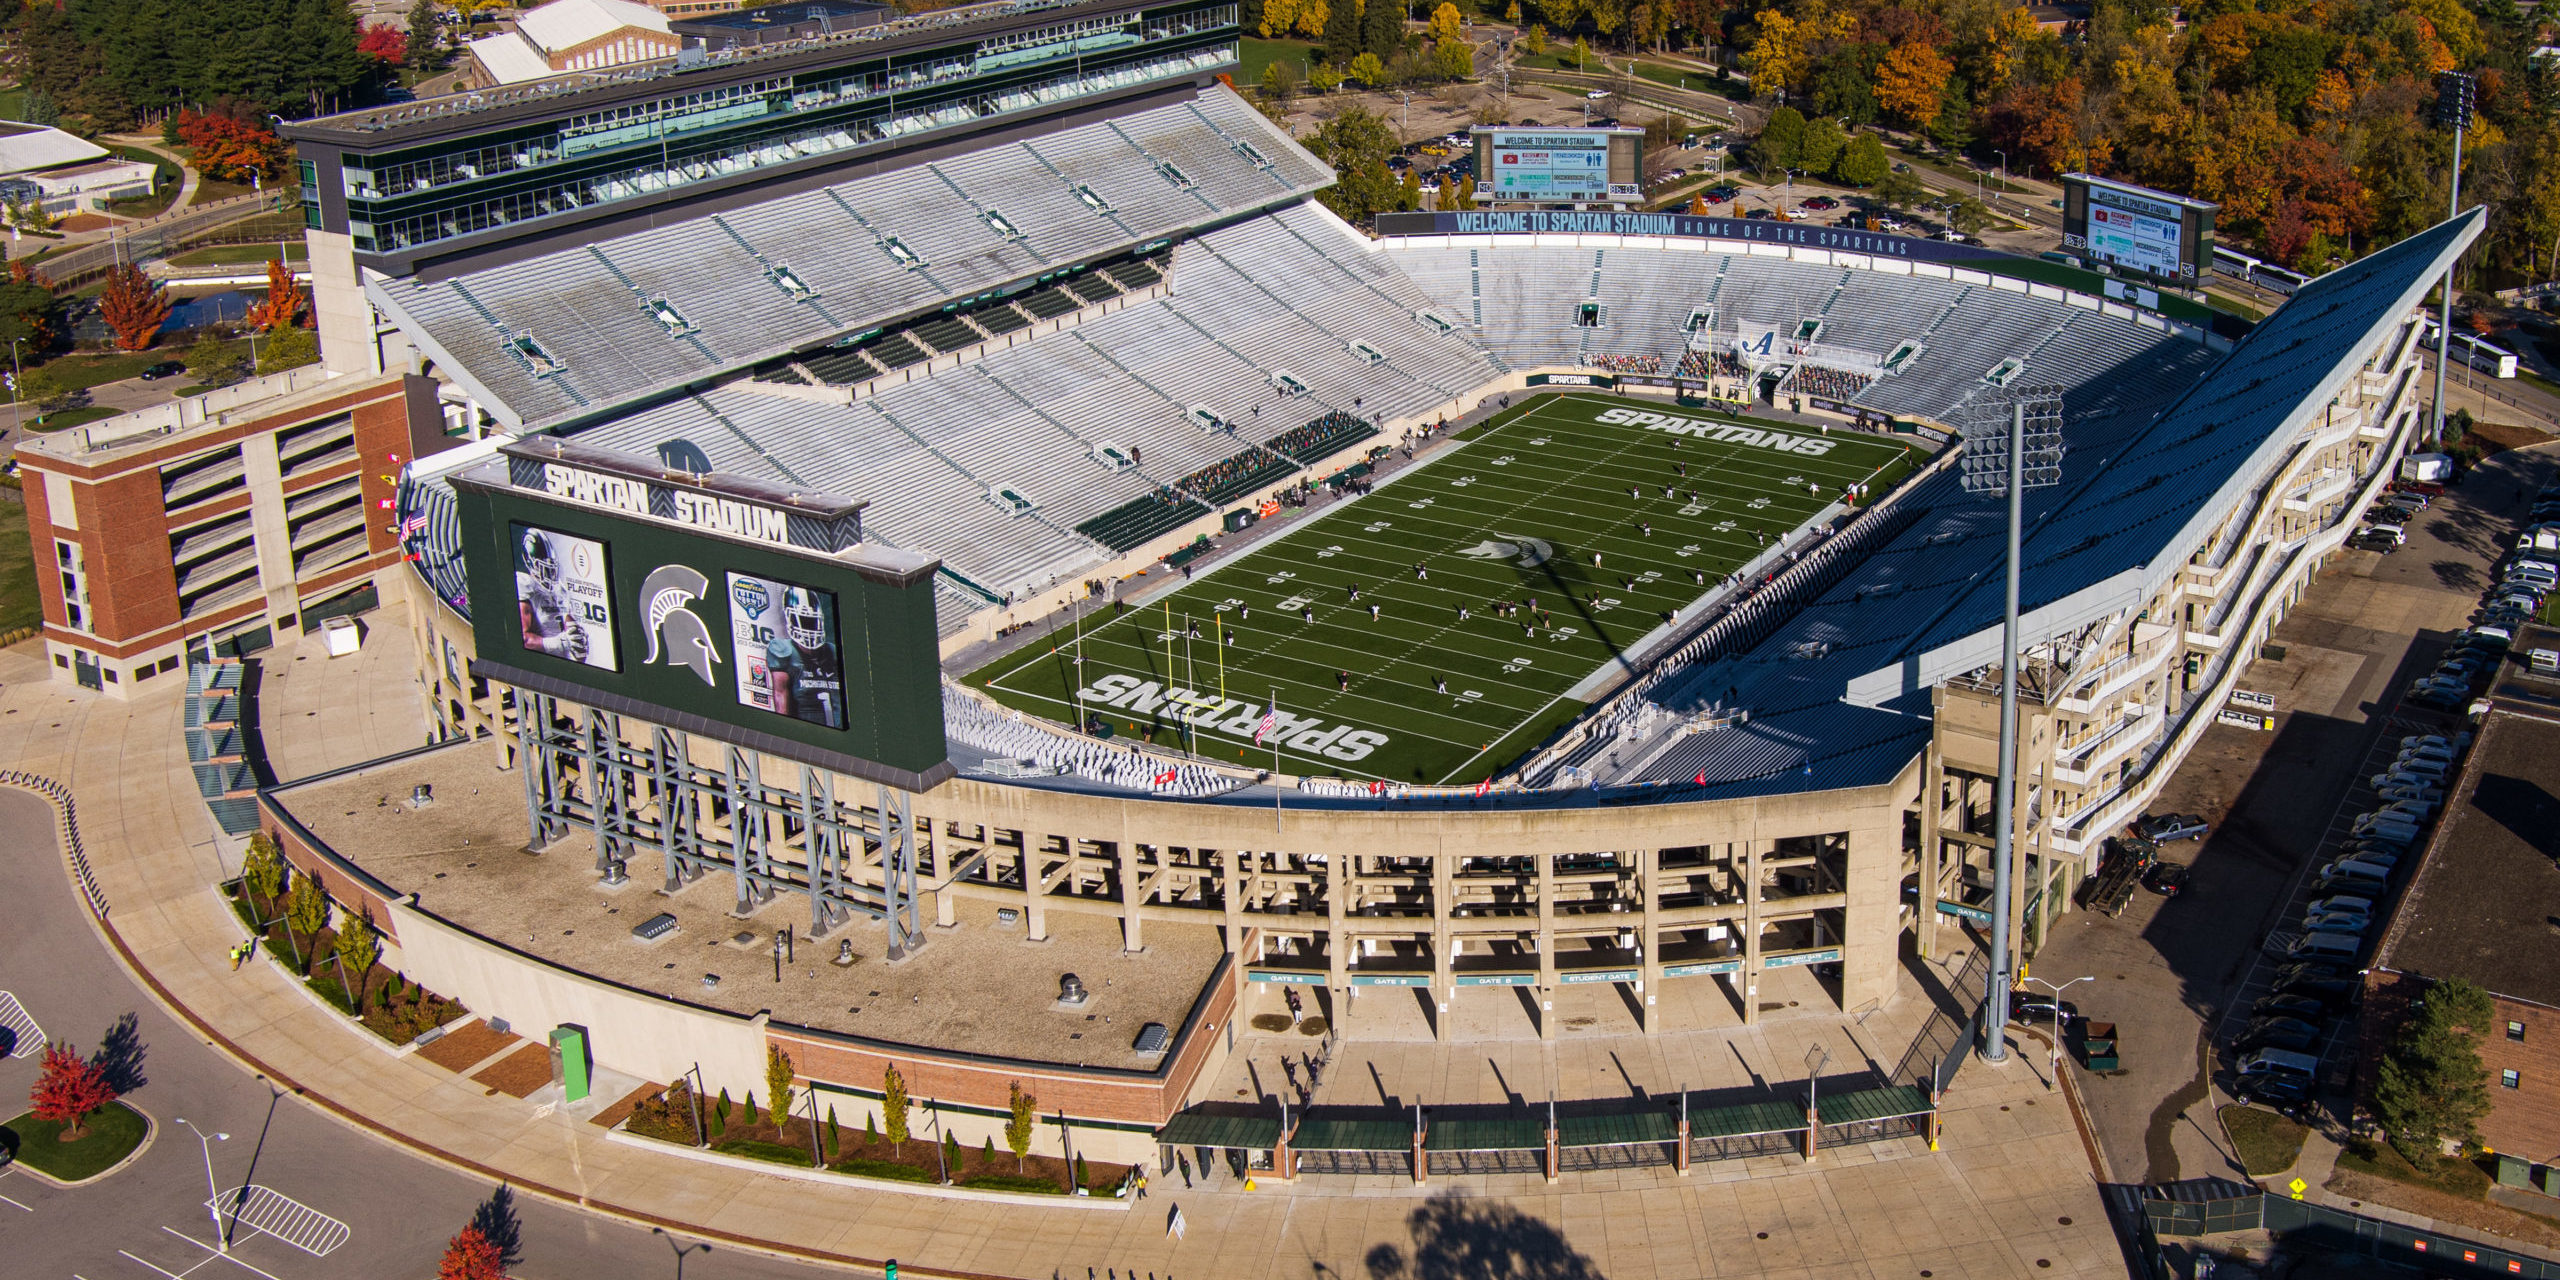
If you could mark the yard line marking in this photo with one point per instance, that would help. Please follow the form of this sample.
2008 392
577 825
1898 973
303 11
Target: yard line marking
218 1253
26 1037
279 1215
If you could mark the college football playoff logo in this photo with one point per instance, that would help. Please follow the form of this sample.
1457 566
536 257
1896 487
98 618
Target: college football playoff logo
674 630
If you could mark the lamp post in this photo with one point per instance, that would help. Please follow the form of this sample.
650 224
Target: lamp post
2453 110
2003 172
212 1193
2055 1080
680 1250
17 412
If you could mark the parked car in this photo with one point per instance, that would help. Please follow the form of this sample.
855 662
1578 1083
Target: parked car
2372 542
1822 204
2352 926
2278 1091
2168 879
2292 1034
164 369
2168 827
2041 1008
2307 1008
2332 993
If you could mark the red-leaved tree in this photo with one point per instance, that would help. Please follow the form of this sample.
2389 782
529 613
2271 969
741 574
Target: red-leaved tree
472 1255
134 306
384 43
230 149
284 304
68 1089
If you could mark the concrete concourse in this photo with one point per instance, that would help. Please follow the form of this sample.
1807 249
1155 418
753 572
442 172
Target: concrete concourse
2011 1193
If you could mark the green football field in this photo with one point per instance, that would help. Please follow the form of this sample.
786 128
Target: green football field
1534 505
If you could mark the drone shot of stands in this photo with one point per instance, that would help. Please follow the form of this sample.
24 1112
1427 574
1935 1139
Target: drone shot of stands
1279 639
1437 627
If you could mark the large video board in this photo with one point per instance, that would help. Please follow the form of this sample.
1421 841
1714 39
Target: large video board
2169 237
709 604
1559 166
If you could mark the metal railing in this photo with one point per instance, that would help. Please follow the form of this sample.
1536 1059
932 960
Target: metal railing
69 817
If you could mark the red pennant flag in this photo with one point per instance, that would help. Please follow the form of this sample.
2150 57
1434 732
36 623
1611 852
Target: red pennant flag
1702 777
1165 778
1484 786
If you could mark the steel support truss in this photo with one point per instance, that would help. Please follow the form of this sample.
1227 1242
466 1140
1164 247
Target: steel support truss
649 793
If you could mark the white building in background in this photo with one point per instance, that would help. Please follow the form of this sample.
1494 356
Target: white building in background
64 172
571 35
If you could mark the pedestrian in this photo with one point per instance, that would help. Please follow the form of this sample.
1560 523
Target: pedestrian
1647 525
1342 681
1595 559
1243 612
1439 685
1309 615
1186 573
1462 613
1355 593
1373 613
1667 491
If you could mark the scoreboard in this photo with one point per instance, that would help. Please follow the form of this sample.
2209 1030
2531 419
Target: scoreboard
714 604
2164 236
1559 166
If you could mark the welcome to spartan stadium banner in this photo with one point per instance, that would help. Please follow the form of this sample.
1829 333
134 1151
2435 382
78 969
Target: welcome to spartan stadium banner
1762 231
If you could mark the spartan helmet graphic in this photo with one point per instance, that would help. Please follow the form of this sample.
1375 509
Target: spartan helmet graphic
539 561
802 617
674 630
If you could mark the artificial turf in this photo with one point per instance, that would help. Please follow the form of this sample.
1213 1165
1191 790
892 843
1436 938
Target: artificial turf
1545 502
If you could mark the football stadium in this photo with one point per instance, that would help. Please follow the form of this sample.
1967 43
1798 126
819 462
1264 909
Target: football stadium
946 496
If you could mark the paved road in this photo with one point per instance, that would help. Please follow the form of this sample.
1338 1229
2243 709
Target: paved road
149 1221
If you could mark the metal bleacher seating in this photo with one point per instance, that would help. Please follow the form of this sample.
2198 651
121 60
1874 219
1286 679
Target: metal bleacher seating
575 331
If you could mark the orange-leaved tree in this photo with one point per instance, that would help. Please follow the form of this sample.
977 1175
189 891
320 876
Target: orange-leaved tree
472 1255
229 149
134 306
68 1089
1911 80
284 304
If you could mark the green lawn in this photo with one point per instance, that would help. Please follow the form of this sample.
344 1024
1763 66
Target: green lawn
63 419
1253 56
2268 1143
89 369
1517 512
259 254
2455 1176
114 1131
19 606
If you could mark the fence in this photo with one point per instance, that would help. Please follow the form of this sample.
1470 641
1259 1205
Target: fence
2210 1206
174 233
69 817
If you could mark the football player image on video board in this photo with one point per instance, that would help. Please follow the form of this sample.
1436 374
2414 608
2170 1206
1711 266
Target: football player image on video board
790 660
561 597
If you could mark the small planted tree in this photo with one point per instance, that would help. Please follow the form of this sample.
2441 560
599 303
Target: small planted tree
472 1255
751 1106
777 1080
359 946
306 912
134 305
67 1089
893 1107
834 1143
1017 1128
261 869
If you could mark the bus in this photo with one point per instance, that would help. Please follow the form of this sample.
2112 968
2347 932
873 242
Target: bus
2265 275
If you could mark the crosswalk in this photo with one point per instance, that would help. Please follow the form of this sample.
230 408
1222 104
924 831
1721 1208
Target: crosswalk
23 1037
281 1216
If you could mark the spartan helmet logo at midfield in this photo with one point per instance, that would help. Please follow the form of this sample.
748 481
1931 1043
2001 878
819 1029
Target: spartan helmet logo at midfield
674 630
806 622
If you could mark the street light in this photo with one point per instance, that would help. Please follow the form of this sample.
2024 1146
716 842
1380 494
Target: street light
2454 92
703 1245
2004 171
212 1193
2055 1080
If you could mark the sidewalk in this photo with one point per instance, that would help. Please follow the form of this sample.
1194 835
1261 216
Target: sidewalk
2009 1195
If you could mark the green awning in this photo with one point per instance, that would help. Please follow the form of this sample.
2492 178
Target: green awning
1520 1133
1353 1135
1202 1129
1741 1121
1622 1129
1874 1104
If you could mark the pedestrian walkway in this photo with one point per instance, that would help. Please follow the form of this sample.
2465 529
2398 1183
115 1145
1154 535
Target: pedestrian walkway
2009 1194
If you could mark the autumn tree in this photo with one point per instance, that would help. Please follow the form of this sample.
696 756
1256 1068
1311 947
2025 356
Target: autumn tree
472 1255
777 1080
359 945
228 149
383 43
893 1107
1453 59
284 305
1368 70
1018 1127
1446 22
260 868
68 1088
1911 81
307 910
134 305
1535 39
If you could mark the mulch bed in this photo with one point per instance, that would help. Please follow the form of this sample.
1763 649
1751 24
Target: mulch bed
667 1115
518 1074
467 1046
621 1111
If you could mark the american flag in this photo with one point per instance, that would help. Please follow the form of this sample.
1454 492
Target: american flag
413 526
1270 721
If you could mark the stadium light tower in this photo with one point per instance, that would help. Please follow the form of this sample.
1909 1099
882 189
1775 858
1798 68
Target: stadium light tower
2026 455
2453 111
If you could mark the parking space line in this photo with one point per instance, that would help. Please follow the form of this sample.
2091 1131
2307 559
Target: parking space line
232 1258
274 1213
27 1038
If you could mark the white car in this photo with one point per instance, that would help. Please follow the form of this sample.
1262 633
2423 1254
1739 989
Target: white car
2340 902
1597 95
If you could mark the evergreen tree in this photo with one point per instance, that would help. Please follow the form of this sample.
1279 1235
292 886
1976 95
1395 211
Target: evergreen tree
424 50
1342 37
1382 29
2432 1085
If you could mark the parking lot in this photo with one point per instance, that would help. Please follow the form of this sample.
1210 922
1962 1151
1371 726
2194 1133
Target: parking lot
2175 974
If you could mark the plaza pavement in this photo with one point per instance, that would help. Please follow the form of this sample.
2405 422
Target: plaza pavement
2010 1194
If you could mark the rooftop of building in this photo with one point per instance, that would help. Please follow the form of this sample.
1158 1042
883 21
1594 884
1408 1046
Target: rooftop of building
995 993
566 24
509 58
25 147
107 442
742 21
2485 902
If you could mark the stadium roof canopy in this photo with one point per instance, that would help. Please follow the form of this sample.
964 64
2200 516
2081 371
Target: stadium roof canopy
1839 695
573 335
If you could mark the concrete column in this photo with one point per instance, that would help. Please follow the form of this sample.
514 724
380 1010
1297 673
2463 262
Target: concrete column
1750 933
1234 861
1649 985
1933 778
1444 981
1035 892
1338 943
1546 946
1870 927
1133 895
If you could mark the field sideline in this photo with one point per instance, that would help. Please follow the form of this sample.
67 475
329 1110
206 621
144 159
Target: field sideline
1608 513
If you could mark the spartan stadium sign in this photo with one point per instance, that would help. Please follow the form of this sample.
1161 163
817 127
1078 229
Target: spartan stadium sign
1234 717
1723 432
733 506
